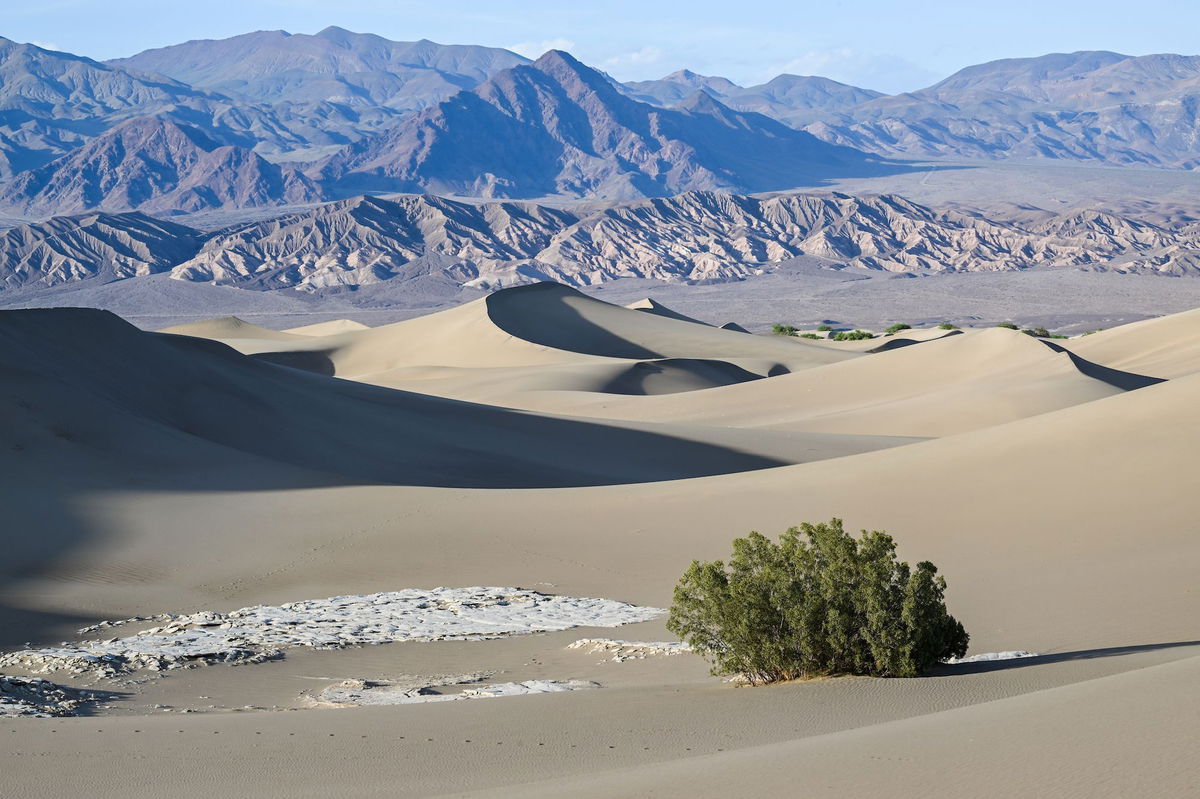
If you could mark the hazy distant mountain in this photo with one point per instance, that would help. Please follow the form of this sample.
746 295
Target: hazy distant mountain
670 89
105 246
50 102
335 66
1096 106
361 113
155 165
693 237
557 127
794 99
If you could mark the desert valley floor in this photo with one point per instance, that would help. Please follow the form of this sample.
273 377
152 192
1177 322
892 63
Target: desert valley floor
542 440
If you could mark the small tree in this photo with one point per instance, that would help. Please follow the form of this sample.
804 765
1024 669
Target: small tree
1008 325
817 602
896 328
783 330
853 335
947 326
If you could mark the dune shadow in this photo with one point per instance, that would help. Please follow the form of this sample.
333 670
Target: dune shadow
317 362
556 324
898 343
947 669
676 375
1126 381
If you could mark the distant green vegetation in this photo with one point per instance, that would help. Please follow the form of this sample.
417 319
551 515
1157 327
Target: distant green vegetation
783 330
824 328
853 335
896 328
1008 325
947 326
1090 332
817 602
810 335
1040 332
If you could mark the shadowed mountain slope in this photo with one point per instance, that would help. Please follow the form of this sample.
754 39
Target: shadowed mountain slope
557 127
155 164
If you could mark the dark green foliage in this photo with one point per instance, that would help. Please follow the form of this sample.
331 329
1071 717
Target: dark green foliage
1040 332
853 335
896 328
947 326
817 602
810 335
1008 325
824 328
783 330
1090 332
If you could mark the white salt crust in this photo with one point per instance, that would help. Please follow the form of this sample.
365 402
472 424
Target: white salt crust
359 692
262 632
39 698
1012 654
630 650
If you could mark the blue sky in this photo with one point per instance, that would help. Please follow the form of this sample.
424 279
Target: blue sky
888 46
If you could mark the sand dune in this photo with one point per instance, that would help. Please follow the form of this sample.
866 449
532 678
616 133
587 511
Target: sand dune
329 328
228 327
160 473
941 387
359 433
970 751
531 326
651 305
1167 346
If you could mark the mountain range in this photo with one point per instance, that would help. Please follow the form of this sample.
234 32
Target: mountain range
713 237
272 118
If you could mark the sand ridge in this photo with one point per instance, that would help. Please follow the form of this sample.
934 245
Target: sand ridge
174 473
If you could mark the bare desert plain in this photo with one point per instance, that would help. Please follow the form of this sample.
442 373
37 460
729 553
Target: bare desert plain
358 561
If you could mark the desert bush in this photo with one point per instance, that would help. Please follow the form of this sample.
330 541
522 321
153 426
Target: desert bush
824 328
947 326
1092 332
853 335
896 328
783 330
817 602
810 335
1008 325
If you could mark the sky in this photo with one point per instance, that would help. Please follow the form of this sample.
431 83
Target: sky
884 45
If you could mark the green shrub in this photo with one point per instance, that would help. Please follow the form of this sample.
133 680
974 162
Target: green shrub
1090 332
853 335
783 330
810 335
817 602
1037 332
824 328
896 328
947 326
1008 325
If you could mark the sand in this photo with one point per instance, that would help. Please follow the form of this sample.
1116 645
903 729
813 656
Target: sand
150 474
